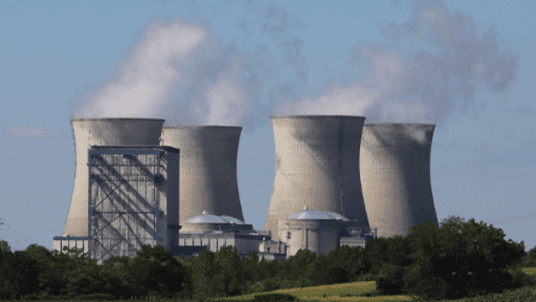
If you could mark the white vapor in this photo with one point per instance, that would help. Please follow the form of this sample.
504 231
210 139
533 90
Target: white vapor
427 86
148 76
175 71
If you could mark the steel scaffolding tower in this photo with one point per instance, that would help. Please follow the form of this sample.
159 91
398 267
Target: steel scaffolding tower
125 209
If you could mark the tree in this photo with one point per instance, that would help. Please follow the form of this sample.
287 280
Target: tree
158 273
229 274
531 261
203 269
18 276
250 267
4 247
460 259
456 218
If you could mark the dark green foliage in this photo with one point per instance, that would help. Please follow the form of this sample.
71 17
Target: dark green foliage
389 280
531 260
229 274
18 275
203 275
157 271
460 259
299 264
274 297
250 267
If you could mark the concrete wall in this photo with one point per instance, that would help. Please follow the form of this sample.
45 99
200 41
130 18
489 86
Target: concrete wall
102 132
395 175
317 165
208 179
319 236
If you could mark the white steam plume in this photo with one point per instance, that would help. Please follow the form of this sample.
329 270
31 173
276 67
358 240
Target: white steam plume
148 76
175 71
426 87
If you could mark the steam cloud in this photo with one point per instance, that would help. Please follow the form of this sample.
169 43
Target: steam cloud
175 71
426 87
179 71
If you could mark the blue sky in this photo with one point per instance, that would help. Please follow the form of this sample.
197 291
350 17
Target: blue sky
464 65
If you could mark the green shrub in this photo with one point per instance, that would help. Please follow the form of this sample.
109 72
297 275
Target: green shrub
390 279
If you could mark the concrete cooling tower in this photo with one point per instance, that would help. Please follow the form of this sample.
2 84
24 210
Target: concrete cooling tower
317 165
102 132
208 178
395 176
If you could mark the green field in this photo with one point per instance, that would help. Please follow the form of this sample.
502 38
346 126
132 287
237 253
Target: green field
351 292
331 293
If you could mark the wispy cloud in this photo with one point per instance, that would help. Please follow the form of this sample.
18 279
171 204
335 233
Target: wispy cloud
30 132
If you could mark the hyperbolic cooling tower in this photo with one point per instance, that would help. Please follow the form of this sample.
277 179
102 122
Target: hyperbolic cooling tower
395 175
102 132
208 178
317 165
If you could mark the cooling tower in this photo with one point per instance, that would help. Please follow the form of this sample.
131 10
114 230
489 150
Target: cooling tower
317 165
395 175
208 179
102 132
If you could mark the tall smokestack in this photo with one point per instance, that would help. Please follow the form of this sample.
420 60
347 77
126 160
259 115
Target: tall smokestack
102 132
317 165
208 178
395 175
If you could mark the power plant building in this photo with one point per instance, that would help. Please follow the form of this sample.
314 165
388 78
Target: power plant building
338 181
215 232
317 165
123 196
319 232
208 178
395 176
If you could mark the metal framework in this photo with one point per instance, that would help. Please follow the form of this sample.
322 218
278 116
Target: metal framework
123 201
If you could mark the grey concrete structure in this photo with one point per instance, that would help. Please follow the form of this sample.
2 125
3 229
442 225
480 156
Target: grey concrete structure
317 165
395 176
216 232
102 132
308 229
208 179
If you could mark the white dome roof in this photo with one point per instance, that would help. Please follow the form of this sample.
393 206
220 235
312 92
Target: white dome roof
206 218
232 219
310 214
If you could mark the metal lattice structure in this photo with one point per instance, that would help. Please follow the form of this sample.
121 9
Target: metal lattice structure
125 209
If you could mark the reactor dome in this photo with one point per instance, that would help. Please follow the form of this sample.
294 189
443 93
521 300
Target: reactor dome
307 214
207 218
209 223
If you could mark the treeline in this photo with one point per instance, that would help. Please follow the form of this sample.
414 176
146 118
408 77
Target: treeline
456 260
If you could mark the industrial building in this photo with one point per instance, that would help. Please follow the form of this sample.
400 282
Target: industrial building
317 165
208 178
338 181
123 195
395 176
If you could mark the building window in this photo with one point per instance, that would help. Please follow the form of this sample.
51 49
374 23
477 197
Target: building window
288 235
268 250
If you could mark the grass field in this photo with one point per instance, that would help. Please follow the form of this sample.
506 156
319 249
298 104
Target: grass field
331 293
351 291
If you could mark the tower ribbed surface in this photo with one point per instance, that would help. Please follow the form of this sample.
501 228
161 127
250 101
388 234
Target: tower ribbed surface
208 171
102 132
317 165
395 175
